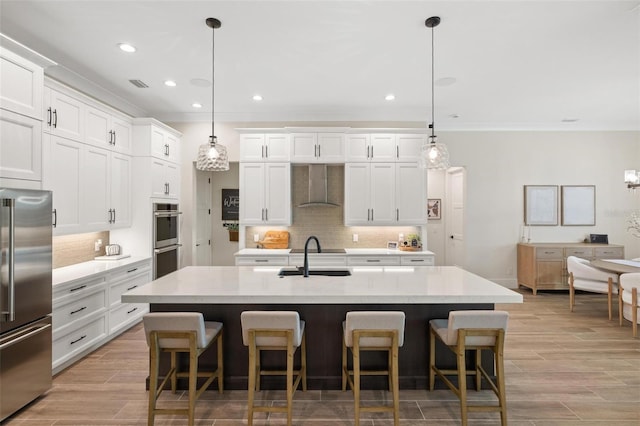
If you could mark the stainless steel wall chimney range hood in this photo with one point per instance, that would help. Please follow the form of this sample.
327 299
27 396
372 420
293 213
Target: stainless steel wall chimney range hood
318 187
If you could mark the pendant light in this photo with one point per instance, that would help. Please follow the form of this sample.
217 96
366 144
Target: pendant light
212 156
434 155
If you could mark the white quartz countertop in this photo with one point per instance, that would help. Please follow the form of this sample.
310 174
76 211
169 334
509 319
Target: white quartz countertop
87 269
348 251
248 285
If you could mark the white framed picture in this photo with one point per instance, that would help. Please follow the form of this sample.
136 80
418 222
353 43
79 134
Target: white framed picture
578 205
541 205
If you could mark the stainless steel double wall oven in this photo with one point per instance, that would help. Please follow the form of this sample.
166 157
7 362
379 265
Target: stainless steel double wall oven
166 239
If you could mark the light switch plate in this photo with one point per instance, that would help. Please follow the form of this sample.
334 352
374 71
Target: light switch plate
355 238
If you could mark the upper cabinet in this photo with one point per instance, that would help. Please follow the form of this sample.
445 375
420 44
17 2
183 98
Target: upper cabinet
64 115
108 130
266 189
21 85
155 139
261 147
317 147
383 147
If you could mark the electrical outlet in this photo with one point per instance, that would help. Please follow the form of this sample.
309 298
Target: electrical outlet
355 238
256 237
97 245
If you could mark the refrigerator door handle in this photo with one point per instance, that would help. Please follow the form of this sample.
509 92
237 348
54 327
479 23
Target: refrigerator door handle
12 340
11 296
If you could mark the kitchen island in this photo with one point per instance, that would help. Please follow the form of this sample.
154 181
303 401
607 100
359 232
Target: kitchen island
423 293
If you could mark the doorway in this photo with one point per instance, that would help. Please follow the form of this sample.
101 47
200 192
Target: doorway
455 216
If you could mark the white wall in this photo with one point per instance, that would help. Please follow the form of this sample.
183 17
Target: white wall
498 165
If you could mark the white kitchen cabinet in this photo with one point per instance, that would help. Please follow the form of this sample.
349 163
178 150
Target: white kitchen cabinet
271 260
155 139
383 147
317 148
317 259
20 147
21 85
264 147
64 115
373 260
384 194
265 191
106 189
165 179
123 315
62 174
104 129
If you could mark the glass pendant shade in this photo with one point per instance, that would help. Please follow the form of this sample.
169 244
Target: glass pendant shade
435 155
212 157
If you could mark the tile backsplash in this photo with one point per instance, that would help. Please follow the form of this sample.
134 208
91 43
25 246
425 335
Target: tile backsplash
77 248
327 222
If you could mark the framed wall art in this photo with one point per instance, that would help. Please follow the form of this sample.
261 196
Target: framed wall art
434 208
578 205
541 205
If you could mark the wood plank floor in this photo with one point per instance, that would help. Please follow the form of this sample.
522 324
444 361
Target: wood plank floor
562 369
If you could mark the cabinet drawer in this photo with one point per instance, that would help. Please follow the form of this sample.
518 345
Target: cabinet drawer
79 309
130 271
125 314
262 260
583 252
417 260
318 260
609 252
71 344
64 292
549 253
373 260
116 290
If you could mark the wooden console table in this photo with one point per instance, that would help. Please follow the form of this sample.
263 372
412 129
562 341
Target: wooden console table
543 266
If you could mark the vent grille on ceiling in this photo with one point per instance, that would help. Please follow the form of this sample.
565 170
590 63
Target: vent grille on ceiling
139 84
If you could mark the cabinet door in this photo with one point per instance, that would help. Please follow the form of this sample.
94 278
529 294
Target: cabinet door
357 147
356 194
331 147
383 147
98 130
120 186
122 130
63 160
159 179
304 147
173 148
382 189
67 116
21 85
277 147
96 201
411 197
252 147
252 193
409 147
278 193
20 146
159 146
173 180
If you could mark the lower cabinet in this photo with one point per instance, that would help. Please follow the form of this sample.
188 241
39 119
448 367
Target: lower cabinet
87 312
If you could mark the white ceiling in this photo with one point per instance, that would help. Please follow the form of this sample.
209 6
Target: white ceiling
516 64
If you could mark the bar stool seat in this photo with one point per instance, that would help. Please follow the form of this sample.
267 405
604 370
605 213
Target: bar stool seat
372 331
181 332
274 331
471 330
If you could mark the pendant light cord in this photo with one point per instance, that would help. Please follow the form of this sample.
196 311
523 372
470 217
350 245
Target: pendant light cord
432 89
213 86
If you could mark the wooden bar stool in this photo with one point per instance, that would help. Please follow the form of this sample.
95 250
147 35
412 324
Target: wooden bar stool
628 300
176 332
373 331
274 331
474 330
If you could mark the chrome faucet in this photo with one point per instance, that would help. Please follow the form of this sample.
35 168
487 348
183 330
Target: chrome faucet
306 253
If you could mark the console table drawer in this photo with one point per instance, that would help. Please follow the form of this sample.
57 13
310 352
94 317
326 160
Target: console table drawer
549 253
585 253
609 253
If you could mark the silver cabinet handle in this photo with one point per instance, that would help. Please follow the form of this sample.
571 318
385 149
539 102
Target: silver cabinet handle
397 215
397 151
49 117
266 215
55 217
266 151
372 215
11 262
114 216
55 118
166 249
110 216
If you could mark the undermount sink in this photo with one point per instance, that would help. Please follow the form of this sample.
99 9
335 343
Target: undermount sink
286 272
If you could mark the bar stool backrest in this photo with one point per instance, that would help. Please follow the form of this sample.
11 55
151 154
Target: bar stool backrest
374 320
176 321
628 282
473 320
271 320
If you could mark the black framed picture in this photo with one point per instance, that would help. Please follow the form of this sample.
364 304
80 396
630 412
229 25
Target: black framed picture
230 204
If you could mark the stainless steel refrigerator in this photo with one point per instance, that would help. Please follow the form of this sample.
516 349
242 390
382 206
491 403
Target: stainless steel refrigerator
25 297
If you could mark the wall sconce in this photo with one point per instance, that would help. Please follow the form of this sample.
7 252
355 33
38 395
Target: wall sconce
632 178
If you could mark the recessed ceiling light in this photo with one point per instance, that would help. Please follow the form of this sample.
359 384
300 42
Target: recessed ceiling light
126 47
170 83
569 120
257 97
454 115
196 105
389 97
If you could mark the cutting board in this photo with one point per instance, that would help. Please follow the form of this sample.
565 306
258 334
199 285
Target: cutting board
275 240
114 257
